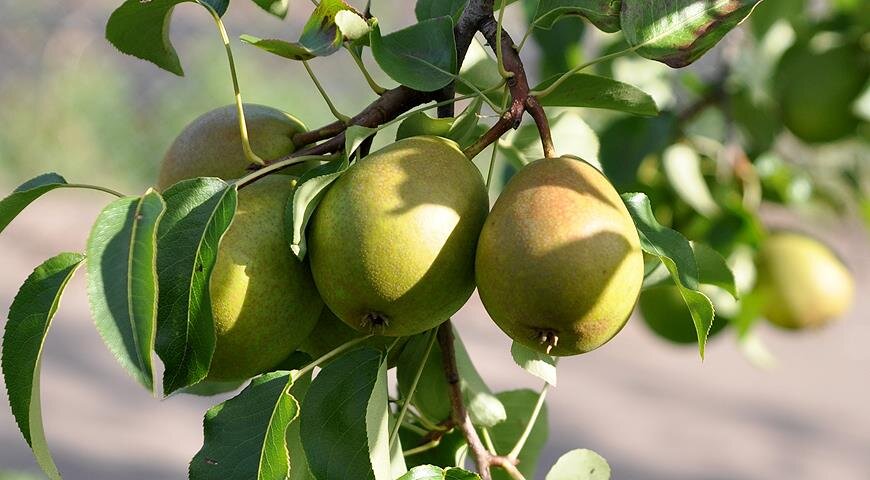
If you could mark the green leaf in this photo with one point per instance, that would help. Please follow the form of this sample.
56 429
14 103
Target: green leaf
307 194
678 32
354 136
538 364
25 194
713 269
677 255
421 123
463 130
275 7
580 465
141 29
627 141
519 405
431 472
344 420
452 449
484 408
122 280
480 69
427 9
332 22
422 56
583 90
198 213
604 14
246 436
29 320
682 166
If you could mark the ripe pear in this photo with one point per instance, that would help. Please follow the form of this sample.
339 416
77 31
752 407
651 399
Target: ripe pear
392 243
559 264
263 298
211 145
665 313
816 90
804 284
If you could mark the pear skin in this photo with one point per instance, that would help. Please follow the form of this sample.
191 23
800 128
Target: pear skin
264 300
392 243
559 264
211 145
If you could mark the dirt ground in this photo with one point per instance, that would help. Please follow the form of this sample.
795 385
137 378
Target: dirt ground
655 412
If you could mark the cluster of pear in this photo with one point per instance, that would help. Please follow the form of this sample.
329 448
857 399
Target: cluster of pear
400 241
801 285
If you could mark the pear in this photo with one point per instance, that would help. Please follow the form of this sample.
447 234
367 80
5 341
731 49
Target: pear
392 243
667 315
559 264
817 87
803 283
264 301
211 145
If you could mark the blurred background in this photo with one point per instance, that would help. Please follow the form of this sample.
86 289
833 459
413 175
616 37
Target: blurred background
70 103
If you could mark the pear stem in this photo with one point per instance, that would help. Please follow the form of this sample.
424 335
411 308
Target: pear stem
338 115
243 127
254 176
521 442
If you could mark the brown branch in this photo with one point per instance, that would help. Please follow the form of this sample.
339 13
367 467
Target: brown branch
483 459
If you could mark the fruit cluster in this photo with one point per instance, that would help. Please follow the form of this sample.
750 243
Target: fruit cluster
399 243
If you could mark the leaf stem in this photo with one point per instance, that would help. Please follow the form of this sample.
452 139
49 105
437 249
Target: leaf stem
243 127
274 167
521 442
338 115
379 90
335 352
487 440
95 187
569 73
395 433
422 448
498 48
489 172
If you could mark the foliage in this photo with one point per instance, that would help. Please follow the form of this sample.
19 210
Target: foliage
693 156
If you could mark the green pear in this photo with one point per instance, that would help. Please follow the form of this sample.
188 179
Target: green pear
392 243
817 87
211 145
263 298
667 315
803 283
559 264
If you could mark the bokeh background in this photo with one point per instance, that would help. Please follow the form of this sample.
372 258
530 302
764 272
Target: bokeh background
70 103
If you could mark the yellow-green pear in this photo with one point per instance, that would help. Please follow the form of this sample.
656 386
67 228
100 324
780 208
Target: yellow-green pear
263 298
559 264
665 312
803 283
392 243
211 145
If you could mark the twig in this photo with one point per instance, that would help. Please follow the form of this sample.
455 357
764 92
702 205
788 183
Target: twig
482 458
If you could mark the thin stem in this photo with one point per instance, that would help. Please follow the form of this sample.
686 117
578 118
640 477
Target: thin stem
415 429
243 127
505 464
379 90
338 115
422 448
95 187
495 144
498 48
521 442
569 73
254 176
487 440
335 352
395 433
